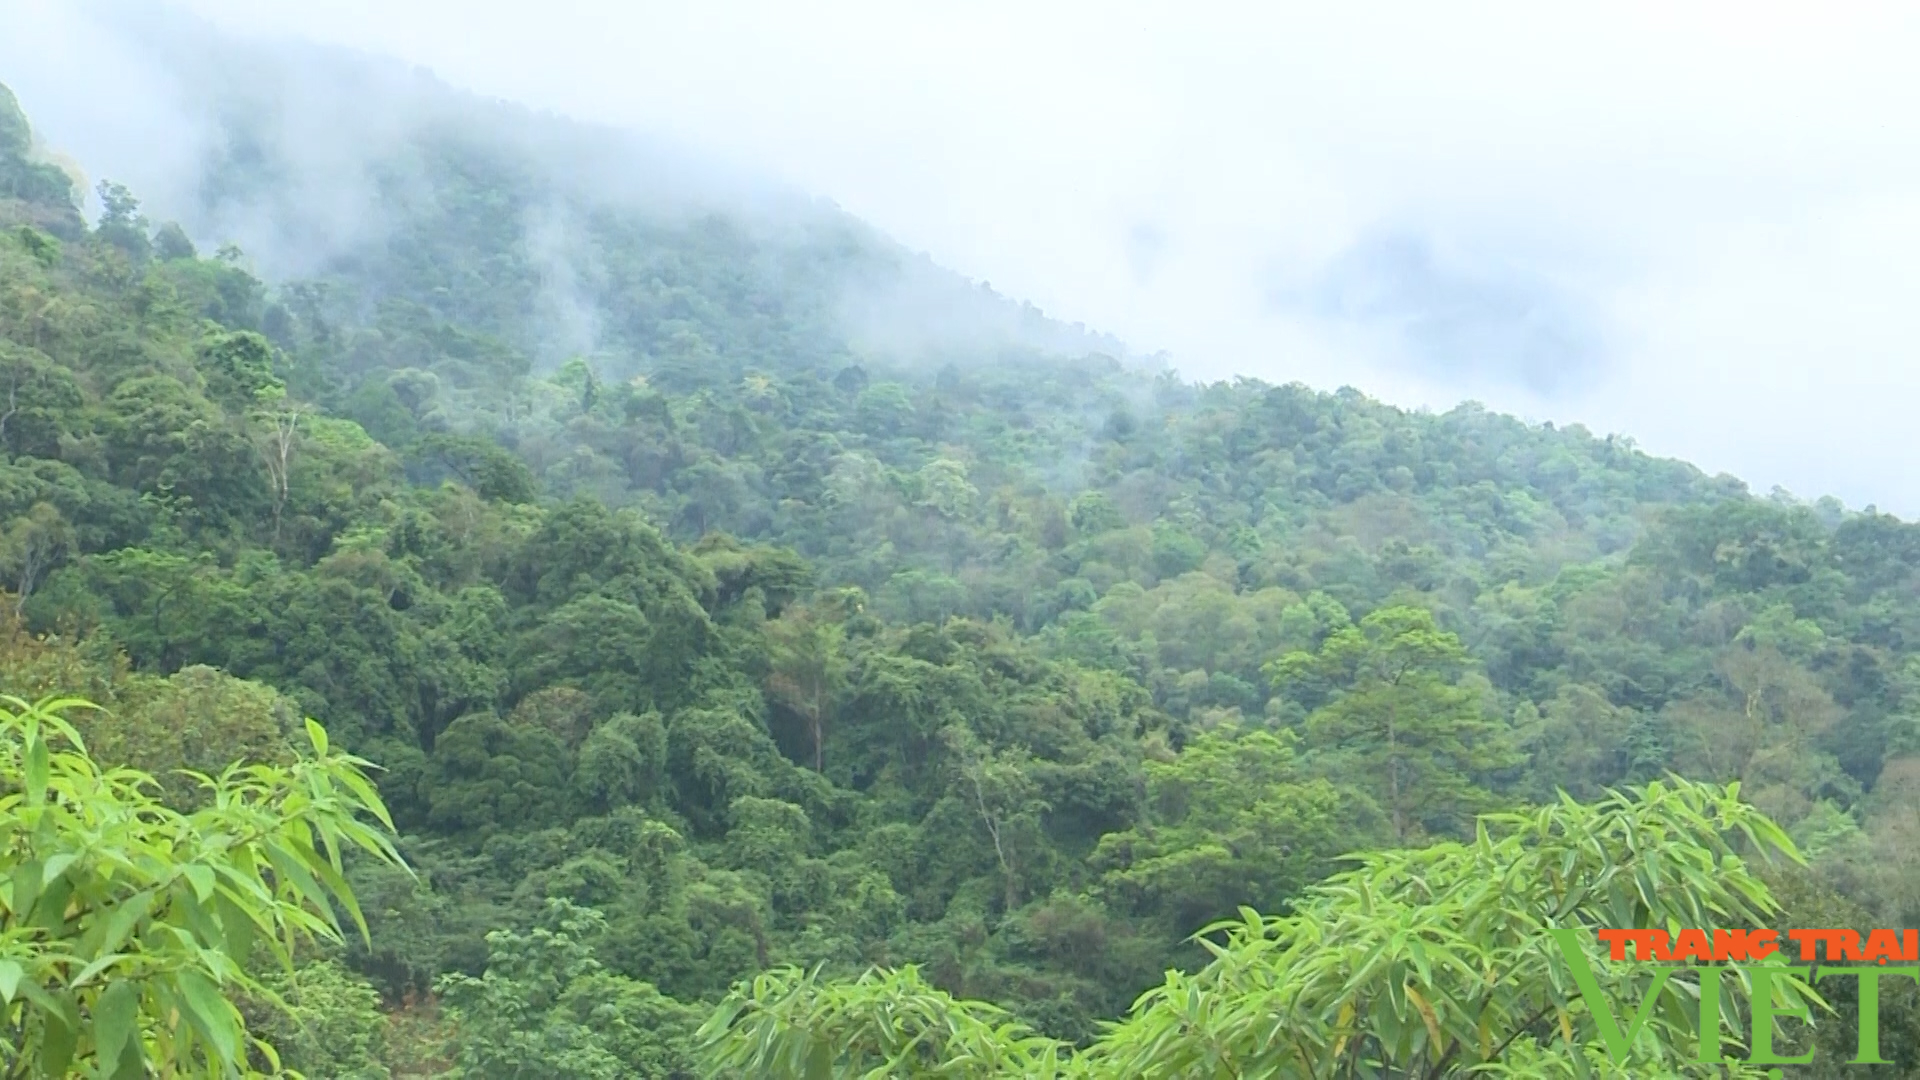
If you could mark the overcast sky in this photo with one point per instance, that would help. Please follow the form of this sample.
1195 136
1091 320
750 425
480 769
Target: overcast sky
1695 224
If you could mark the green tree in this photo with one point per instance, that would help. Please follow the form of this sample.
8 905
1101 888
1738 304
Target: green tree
42 402
1423 963
546 1007
489 469
807 671
238 368
20 177
944 488
31 546
1231 823
121 223
1000 787
170 242
1394 713
196 720
326 1022
1094 512
128 927
1762 726
1579 742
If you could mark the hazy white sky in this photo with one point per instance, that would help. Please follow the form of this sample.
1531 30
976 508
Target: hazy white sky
1698 224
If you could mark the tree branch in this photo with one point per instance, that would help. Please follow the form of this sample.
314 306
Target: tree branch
1525 1026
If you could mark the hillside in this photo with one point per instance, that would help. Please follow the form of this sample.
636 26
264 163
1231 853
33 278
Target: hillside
746 627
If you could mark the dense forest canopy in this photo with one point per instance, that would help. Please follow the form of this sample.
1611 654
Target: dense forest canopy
759 633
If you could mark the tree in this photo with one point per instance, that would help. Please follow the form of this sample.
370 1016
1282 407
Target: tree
1761 728
807 671
623 762
1395 714
945 489
170 242
121 222
275 443
195 720
330 1026
129 927
1579 742
31 546
43 402
1232 824
999 786
489 469
1094 512
238 368
1417 964
546 1007
21 177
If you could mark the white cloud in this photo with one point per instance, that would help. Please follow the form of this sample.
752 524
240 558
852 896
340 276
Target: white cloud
1725 193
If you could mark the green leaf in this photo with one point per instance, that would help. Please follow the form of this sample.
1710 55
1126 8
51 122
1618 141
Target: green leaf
37 770
210 1013
201 878
87 973
10 975
56 865
27 884
115 1020
51 912
126 915
58 1036
239 928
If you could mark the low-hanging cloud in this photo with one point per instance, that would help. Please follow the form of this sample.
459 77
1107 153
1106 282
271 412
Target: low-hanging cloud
1495 325
302 153
1697 224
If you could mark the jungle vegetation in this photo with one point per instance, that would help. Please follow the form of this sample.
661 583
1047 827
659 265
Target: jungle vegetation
750 695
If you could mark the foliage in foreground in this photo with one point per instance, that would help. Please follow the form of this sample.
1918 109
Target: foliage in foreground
1418 963
127 927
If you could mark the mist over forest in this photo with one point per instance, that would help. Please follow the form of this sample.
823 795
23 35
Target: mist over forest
700 635
312 159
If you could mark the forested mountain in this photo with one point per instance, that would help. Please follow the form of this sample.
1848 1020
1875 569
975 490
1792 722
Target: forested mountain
709 606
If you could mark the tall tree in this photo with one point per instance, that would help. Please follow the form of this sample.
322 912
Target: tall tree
31 546
275 440
1417 964
1395 717
807 671
1231 823
999 786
